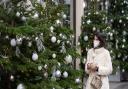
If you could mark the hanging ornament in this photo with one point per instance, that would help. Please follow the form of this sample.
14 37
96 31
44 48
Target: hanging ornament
122 11
46 66
77 80
94 28
51 28
68 42
23 18
127 17
12 78
64 16
39 45
29 44
123 46
6 37
17 51
58 22
34 56
19 41
68 58
58 41
65 74
86 38
58 73
97 13
124 40
20 86
13 42
36 15
123 70
54 55
124 32
53 39
84 4
17 14
120 21
46 74
88 21
59 64
60 35
39 68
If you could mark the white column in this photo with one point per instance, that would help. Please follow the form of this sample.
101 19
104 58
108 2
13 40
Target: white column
79 14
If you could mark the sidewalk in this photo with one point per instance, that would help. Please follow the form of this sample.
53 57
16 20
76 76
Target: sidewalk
118 85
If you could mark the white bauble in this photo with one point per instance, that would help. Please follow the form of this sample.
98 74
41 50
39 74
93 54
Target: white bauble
77 81
53 39
58 22
86 38
64 16
51 28
21 86
29 44
60 35
68 59
45 66
65 74
58 73
23 18
88 21
12 78
34 56
54 55
78 43
123 70
19 41
94 28
17 14
36 15
58 41
124 40
46 74
59 64
39 67
13 42
7 37
120 21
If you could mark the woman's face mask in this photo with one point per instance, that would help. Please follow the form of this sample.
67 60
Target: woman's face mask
96 42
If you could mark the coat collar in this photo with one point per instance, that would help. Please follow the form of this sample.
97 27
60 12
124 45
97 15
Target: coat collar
98 50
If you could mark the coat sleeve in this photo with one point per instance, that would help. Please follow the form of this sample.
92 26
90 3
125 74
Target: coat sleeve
107 68
87 61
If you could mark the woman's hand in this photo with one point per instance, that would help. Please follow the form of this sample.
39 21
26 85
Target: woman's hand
93 66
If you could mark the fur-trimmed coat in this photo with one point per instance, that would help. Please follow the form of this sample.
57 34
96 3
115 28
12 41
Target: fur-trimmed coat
101 57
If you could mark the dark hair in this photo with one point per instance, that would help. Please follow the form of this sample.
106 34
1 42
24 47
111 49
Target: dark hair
101 37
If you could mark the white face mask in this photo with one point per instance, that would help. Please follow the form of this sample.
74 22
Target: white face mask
96 43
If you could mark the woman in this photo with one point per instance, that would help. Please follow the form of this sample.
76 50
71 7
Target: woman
98 62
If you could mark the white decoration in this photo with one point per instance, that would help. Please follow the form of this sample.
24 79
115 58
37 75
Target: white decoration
58 73
45 66
59 64
36 15
17 14
94 28
58 21
124 40
23 18
19 41
77 81
45 74
65 74
84 4
51 28
78 43
88 21
34 56
12 78
29 44
58 41
123 70
39 67
120 21
68 59
127 18
21 86
64 16
54 55
68 42
60 35
53 39
7 37
13 42
86 38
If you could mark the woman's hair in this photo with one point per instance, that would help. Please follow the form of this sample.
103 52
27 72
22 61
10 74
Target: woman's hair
101 37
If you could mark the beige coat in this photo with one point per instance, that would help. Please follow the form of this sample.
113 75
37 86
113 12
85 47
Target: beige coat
102 58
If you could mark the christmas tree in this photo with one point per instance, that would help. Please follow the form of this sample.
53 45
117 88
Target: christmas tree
118 11
95 19
36 49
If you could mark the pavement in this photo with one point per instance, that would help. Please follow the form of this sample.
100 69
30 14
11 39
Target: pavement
118 85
